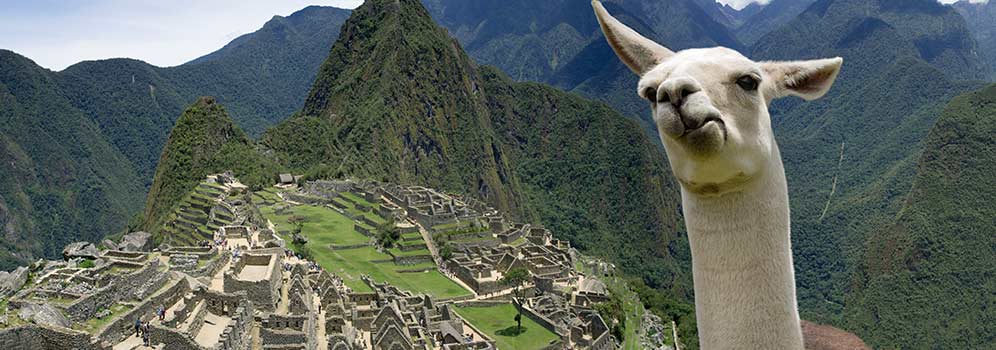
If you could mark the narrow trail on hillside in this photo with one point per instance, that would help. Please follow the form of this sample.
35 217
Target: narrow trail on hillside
833 185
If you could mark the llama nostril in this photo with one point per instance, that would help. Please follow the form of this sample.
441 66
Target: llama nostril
685 92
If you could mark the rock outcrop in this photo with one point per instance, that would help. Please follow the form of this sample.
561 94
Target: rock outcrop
140 241
11 282
80 250
44 314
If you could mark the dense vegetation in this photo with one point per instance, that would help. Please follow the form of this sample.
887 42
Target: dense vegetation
398 100
850 156
927 280
82 145
61 180
558 42
204 141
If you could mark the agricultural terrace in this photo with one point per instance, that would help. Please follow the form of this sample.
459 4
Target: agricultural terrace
324 228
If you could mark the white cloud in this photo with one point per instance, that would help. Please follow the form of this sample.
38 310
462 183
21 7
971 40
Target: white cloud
57 34
739 4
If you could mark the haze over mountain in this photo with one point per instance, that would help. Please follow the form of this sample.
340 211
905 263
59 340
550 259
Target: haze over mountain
980 17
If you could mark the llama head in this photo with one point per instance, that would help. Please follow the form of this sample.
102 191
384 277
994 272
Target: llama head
711 105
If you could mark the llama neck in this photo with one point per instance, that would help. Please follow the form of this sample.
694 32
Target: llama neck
742 266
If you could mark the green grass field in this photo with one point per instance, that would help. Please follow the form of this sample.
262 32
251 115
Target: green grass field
351 208
350 263
497 320
324 226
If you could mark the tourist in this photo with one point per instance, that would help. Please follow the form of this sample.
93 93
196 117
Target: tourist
162 313
138 326
145 335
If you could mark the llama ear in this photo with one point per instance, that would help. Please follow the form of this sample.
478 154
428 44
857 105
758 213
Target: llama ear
807 79
637 52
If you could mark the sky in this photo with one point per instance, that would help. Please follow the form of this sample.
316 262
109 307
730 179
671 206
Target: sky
59 33
739 4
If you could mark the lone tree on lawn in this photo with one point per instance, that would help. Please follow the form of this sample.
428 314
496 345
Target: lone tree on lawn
515 278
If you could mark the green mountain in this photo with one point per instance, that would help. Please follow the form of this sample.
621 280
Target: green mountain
84 142
399 100
204 141
62 180
980 18
927 280
768 18
262 77
850 157
558 42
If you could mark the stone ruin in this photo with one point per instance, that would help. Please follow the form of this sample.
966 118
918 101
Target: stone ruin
252 294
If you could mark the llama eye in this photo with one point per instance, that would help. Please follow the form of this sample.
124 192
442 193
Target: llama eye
650 94
747 83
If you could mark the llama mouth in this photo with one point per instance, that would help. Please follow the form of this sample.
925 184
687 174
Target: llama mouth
705 122
706 140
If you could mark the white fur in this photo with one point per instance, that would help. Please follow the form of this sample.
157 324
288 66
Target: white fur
722 150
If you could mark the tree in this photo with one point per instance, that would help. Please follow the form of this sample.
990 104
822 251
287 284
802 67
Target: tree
297 221
515 278
446 252
388 234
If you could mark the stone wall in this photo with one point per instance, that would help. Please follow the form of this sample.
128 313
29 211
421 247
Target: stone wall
362 230
542 320
490 243
117 329
86 307
39 337
212 267
412 259
264 294
237 335
306 199
171 339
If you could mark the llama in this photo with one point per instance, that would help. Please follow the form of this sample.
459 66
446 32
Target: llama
711 109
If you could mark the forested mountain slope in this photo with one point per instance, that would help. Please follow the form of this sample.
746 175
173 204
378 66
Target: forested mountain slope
927 280
558 42
204 141
850 156
399 100
61 179
85 141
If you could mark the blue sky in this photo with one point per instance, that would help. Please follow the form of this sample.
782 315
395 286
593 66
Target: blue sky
58 33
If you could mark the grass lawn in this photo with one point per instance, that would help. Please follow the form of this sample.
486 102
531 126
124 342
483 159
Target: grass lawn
398 252
357 212
268 195
350 263
357 199
498 320
412 236
322 226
